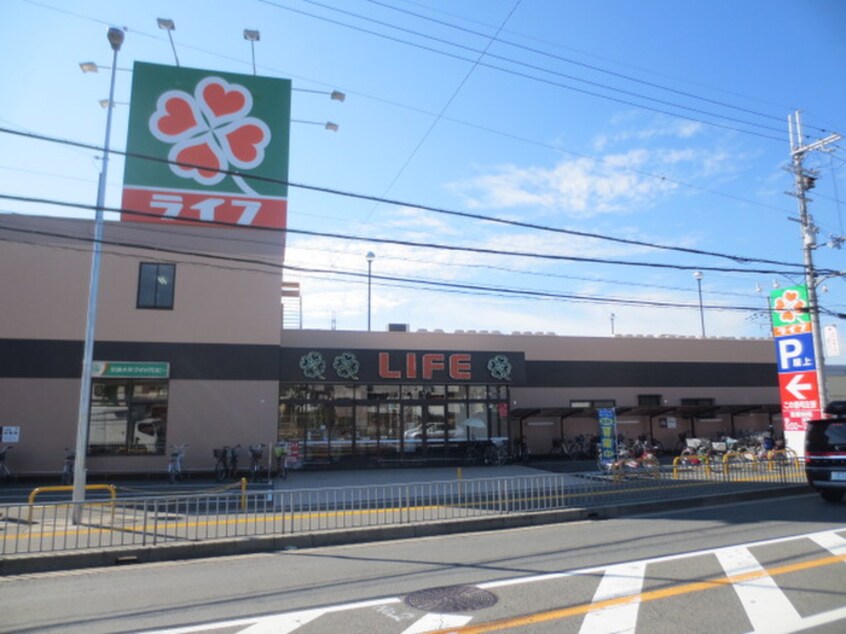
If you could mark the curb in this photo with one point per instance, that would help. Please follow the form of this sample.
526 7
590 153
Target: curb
73 560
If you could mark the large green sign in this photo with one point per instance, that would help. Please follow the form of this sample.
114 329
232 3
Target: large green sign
205 145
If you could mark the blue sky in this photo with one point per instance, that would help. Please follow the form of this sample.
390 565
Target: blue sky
655 122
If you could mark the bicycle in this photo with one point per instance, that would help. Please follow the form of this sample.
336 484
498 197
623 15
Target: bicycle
227 462
67 468
5 474
256 452
636 463
280 452
496 454
174 467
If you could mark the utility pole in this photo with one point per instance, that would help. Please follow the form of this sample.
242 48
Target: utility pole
805 181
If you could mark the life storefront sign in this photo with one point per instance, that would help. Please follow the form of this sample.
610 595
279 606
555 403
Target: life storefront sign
207 146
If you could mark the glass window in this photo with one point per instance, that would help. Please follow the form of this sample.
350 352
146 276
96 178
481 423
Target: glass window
826 436
155 285
649 400
413 392
478 392
436 392
455 392
127 417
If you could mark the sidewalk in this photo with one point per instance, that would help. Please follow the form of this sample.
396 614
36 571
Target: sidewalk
178 525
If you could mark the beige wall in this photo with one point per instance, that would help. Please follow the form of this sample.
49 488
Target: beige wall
44 289
215 301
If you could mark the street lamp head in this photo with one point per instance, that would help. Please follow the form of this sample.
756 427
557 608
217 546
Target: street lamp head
115 37
697 275
165 24
252 35
370 256
337 95
88 67
332 127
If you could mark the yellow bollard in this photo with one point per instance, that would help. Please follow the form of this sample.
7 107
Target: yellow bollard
243 494
458 474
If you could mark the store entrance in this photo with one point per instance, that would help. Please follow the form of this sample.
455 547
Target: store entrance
381 424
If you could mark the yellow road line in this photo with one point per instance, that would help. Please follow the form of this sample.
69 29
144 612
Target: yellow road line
653 595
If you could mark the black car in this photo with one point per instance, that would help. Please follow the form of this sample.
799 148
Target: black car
825 453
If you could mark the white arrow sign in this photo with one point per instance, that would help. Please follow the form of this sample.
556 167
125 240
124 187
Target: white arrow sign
797 389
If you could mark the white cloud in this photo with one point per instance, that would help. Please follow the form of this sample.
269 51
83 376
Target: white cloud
581 187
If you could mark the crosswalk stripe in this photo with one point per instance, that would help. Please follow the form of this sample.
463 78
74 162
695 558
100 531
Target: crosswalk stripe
765 603
282 623
832 542
433 621
618 581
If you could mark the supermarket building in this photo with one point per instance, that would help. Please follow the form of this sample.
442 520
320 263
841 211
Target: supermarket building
190 348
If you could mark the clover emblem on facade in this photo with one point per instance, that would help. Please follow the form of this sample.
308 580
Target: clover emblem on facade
500 367
210 131
313 365
347 366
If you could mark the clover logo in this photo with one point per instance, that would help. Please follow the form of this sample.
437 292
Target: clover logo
346 366
211 131
500 367
790 307
313 365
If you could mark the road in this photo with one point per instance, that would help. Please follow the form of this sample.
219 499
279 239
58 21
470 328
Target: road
770 566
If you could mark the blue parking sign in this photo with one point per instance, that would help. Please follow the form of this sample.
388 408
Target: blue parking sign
795 353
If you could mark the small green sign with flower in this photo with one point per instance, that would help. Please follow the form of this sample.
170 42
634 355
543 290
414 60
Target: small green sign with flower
789 310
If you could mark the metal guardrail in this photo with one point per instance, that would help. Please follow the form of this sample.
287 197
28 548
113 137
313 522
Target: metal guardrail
232 514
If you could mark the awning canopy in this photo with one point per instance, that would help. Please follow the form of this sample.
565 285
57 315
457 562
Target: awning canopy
677 411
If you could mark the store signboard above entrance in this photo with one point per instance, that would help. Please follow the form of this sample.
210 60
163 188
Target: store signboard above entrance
207 146
402 366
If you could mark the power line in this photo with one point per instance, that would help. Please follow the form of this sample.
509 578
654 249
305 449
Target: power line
382 199
541 69
575 62
428 245
417 283
216 53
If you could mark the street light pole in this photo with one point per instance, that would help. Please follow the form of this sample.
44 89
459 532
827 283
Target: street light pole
369 257
697 275
252 36
115 37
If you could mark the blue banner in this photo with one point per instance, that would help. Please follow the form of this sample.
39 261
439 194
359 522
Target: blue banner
607 435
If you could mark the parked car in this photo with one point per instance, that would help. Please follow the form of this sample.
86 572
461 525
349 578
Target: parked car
433 431
825 453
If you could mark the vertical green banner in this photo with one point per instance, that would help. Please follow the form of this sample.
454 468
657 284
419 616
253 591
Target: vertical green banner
209 146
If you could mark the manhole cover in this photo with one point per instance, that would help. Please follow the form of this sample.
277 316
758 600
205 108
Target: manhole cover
451 599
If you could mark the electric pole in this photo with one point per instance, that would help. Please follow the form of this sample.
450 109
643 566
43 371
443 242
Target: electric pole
804 181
